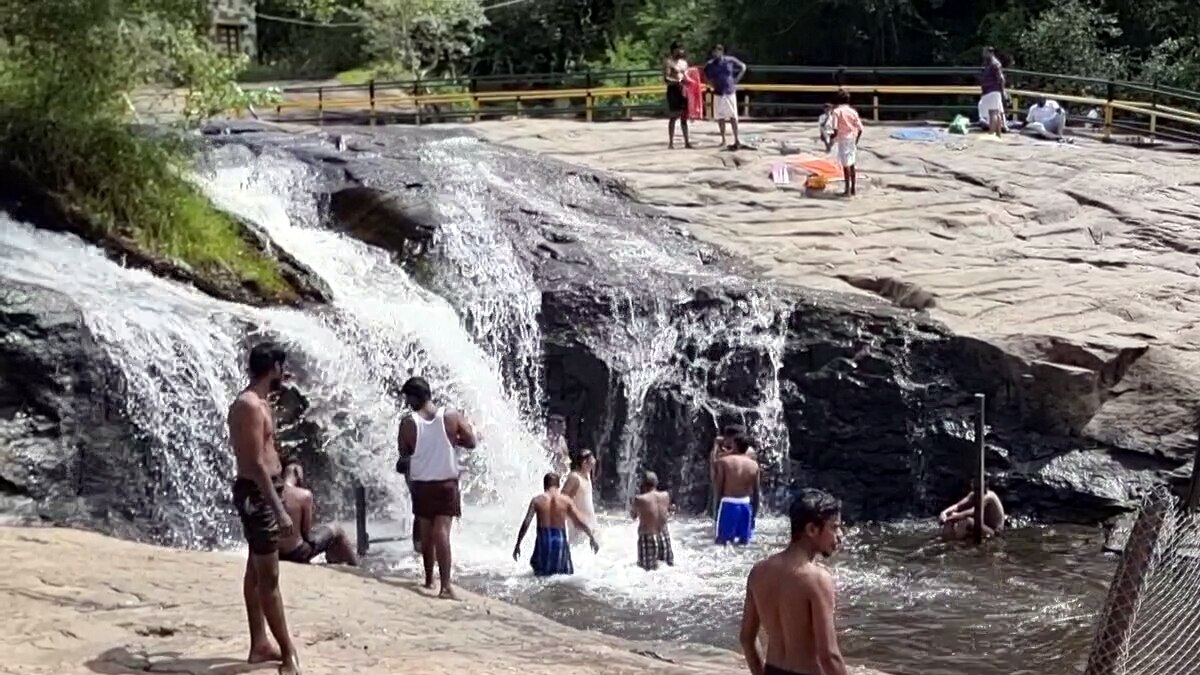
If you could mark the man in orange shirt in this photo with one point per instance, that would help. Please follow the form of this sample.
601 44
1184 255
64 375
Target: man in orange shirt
847 130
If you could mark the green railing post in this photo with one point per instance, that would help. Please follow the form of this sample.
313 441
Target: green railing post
1154 106
320 105
417 98
475 98
628 86
875 94
1110 94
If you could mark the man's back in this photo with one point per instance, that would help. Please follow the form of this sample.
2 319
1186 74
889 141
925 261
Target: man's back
783 588
739 475
553 509
653 509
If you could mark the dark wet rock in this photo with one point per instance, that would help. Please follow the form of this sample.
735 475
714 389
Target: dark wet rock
64 439
27 201
385 219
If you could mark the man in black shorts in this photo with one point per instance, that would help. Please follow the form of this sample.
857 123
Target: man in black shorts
307 542
675 74
257 496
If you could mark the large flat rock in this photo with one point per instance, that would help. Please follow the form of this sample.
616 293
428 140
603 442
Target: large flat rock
1073 254
111 606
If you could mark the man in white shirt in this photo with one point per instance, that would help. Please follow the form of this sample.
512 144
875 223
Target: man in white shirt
1046 118
428 438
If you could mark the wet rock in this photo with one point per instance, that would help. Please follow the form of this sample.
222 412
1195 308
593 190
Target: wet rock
385 219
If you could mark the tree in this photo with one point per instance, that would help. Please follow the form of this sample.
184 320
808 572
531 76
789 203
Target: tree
1072 37
423 38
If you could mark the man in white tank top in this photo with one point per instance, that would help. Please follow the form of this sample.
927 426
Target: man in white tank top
579 488
428 438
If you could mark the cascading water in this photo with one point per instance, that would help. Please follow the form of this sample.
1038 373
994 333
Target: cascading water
644 350
502 298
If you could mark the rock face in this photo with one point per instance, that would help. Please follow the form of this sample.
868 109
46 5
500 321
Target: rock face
64 440
650 341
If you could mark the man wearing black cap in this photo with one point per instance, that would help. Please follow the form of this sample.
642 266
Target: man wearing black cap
428 438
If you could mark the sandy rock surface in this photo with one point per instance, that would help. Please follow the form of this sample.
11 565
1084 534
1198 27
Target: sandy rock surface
1026 243
79 602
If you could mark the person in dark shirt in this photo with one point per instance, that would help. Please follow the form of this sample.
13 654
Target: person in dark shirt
723 73
991 82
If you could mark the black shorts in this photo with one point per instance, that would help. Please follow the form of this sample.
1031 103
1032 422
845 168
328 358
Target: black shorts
260 526
677 101
769 669
433 498
319 540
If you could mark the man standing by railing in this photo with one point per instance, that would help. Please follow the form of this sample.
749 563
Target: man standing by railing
723 73
991 81
675 73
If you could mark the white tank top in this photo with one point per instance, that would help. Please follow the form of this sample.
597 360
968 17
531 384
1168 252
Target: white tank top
583 498
435 458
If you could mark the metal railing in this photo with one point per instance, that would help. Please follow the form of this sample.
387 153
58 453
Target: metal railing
768 91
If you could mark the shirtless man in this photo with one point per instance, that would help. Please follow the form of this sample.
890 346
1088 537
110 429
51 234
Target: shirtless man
428 438
257 496
556 444
791 597
551 550
737 494
958 520
305 541
579 488
652 509
722 445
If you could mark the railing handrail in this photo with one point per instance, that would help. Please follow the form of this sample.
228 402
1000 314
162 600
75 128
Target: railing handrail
472 82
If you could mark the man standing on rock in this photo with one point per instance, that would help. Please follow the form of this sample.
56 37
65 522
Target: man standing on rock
551 550
723 73
257 496
737 494
556 444
428 437
792 598
991 83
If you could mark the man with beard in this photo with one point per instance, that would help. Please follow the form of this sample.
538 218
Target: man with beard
428 438
257 495
791 597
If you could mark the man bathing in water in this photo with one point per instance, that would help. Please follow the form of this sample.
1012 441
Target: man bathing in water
579 488
305 541
257 496
552 551
958 520
556 444
792 598
737 494
428 438
651 509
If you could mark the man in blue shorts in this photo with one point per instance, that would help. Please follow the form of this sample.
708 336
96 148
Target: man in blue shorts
737 479
552 550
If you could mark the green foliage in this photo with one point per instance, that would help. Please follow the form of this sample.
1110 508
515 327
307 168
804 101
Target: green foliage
1071 37
68 66
428 38
1174 62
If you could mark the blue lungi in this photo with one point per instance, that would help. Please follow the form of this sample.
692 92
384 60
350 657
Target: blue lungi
551 553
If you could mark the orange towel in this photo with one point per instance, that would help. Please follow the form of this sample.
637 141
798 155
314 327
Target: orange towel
695 93
824 167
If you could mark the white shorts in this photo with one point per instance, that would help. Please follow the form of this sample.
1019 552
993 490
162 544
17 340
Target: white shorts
847 151
990 101
725 107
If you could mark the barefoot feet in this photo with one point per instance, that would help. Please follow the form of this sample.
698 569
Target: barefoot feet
291 666
264 654
447 593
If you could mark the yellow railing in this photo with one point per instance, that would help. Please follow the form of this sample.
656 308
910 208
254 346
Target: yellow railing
474 103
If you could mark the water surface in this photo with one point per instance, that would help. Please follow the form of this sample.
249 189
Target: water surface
907 604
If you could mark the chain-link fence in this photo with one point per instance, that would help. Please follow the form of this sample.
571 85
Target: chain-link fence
1150 624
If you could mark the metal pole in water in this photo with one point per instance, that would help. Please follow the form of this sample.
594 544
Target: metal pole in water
1193 495
980 473
362 540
